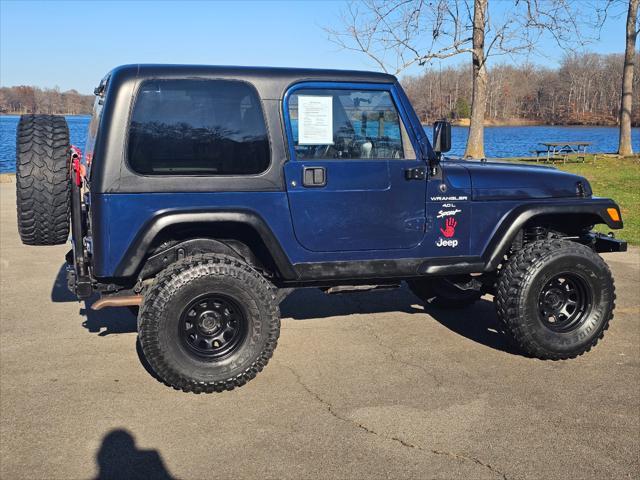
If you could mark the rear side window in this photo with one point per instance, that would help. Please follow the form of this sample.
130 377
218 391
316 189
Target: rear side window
197 127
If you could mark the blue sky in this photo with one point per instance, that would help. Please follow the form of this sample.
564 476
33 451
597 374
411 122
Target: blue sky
73 44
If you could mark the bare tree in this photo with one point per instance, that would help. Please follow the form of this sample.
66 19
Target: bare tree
475 142
626 103
396 34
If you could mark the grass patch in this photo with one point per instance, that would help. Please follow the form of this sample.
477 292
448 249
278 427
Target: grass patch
616 178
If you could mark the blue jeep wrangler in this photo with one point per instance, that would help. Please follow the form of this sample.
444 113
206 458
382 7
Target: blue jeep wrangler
206 194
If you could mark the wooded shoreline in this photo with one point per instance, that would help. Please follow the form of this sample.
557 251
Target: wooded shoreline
460 122
584 90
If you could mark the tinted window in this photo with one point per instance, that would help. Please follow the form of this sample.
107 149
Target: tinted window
349 124
198 127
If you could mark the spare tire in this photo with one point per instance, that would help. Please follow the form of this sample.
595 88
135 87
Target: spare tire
43 186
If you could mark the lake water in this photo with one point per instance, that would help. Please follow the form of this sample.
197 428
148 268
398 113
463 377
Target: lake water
8 124
499 141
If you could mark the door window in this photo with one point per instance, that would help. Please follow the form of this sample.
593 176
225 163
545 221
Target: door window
347 124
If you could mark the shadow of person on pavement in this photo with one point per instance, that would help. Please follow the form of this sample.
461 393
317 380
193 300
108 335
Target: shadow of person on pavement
119 459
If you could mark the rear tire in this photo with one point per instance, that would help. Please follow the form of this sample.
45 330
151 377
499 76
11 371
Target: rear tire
209 323
555 298
43 193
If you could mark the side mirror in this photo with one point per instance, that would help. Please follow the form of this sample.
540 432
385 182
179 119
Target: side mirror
441 136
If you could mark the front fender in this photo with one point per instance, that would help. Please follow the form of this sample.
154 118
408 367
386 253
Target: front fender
516 219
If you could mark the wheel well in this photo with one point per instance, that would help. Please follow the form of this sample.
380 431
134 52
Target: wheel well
566 224
232 238
545 226
526 226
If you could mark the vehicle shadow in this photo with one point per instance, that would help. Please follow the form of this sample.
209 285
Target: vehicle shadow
118 458
312 303
59 291
108 321
103 322
477 322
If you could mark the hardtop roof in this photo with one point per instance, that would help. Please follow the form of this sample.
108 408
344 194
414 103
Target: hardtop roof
270 81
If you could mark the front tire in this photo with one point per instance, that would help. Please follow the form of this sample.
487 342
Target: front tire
555 298
209 323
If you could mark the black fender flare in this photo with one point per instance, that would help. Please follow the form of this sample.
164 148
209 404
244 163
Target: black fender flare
513 221
139 248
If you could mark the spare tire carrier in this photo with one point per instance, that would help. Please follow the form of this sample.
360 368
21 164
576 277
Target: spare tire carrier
78 276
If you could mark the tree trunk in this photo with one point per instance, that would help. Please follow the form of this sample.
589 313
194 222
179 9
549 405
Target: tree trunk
624 145
475 142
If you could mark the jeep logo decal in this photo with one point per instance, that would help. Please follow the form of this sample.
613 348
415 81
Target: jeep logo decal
446 243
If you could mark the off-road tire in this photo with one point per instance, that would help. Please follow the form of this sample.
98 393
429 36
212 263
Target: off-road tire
170 294
43 189
518 300
432 292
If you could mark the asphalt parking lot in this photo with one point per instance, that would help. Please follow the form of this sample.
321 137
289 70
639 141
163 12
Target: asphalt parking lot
367 385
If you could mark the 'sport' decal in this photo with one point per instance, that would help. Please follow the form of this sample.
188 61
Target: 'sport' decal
448 213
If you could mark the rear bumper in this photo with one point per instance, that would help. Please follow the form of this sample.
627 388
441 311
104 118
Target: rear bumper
604 243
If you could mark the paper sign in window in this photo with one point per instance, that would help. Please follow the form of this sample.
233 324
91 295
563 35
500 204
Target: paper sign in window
315 120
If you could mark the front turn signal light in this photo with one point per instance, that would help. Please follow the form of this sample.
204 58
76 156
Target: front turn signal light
614 214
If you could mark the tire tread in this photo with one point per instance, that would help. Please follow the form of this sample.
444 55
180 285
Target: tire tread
160 293
514 274
42 180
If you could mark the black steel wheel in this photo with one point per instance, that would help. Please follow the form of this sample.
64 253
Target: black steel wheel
208 323
555 298
565 302
212 326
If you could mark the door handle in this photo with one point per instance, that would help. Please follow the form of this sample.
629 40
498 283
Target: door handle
417 173
314 177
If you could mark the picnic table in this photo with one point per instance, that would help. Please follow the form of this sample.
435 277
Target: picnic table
562 150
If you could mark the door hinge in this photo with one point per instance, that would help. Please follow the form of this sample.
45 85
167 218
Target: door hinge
418 173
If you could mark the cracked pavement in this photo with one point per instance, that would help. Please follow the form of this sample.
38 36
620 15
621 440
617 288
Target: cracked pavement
365 385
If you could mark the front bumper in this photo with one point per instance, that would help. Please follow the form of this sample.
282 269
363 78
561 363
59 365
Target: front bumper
602 243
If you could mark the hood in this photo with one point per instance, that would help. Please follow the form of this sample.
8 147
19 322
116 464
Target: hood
505 180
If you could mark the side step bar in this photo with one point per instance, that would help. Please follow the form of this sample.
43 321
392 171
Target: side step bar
359 288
